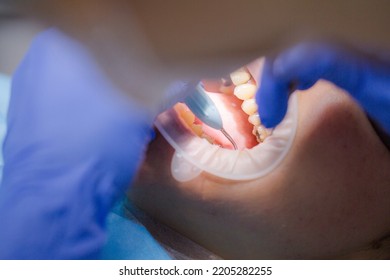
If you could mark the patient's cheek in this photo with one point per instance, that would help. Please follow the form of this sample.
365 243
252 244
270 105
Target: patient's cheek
331 124
332 134
335 177
326 198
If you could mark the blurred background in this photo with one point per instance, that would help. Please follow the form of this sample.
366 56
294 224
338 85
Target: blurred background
15 36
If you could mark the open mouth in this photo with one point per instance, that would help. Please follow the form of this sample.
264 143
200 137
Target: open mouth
234 98
200 147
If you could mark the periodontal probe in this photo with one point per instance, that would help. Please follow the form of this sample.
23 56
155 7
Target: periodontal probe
205 109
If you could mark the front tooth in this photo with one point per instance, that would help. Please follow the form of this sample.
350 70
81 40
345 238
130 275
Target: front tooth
254 119
249 106
245 91
239 77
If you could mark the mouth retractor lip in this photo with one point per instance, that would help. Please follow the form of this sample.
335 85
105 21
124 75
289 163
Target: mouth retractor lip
194 154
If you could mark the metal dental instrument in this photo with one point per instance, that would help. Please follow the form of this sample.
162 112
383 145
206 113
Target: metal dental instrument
206 110
227 135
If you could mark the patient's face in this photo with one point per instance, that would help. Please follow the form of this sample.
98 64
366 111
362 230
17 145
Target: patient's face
329 197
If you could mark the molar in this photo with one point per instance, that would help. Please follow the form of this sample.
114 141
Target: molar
262 133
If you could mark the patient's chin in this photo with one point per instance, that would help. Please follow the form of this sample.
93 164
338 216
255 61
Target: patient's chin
328 198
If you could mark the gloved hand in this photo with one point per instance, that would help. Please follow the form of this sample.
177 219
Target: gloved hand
368 81
74 143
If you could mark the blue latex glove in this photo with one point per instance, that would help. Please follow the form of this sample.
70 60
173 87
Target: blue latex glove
5 88
368 81
127 237
74 143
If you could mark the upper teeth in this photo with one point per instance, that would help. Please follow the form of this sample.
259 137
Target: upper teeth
263 132
241 76
245 91
249 106
254 119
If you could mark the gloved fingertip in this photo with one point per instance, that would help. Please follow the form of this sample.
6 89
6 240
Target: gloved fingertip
266 118
269 122
271 97
271 118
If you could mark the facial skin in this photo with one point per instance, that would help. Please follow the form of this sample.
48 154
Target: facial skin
144 44
329 198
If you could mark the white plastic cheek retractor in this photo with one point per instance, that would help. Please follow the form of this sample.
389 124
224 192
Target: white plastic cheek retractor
194 155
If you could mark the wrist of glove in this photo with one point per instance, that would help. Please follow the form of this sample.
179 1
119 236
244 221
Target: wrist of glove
367 80
74 144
